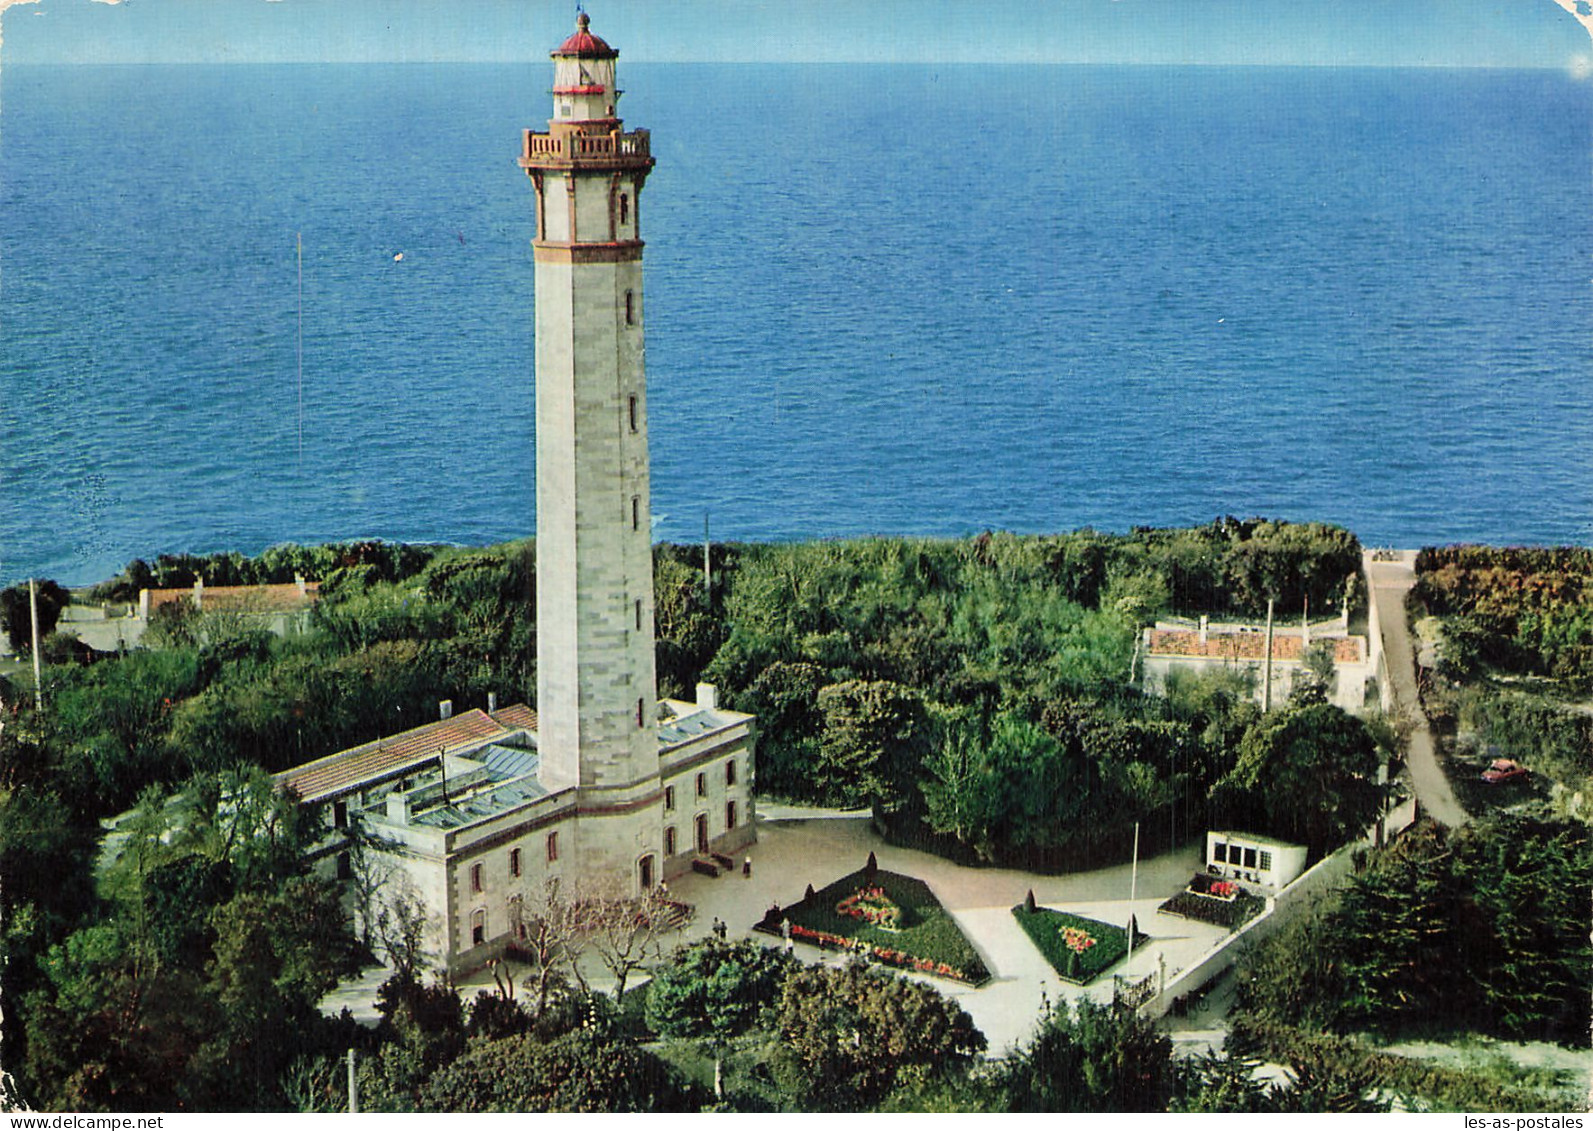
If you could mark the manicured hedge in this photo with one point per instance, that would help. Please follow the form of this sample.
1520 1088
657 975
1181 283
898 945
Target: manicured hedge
929 940
1046 927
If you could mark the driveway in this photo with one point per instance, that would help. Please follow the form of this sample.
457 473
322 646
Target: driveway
1389 582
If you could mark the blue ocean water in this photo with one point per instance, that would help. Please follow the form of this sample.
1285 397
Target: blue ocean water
902 299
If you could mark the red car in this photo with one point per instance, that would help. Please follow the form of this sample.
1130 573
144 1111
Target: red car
1503 769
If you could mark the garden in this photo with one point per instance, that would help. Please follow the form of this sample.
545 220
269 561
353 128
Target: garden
1078 949
1222 903
884 917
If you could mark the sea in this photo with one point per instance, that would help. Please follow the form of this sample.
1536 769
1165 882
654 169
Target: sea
243 305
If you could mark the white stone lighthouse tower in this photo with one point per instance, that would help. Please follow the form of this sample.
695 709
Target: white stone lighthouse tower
596 689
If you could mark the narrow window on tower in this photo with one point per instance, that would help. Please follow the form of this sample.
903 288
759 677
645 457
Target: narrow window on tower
625 208
514 861
630 308
638 614
475 877
669 797
641 705
633 411
553 847
730 772
669 841
636 512
730 814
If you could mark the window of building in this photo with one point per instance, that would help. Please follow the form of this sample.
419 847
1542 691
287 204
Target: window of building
475 877
340 814
1219 852
1250 858
625 208
638 614
730 814
641 712
633 412
478 926
514 861
644 873
630 308
636 512
1266 860
730 772
553 847
669 841
702 785
669 798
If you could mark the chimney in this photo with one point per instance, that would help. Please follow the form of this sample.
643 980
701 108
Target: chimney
445 708
707 696
492 702
398 807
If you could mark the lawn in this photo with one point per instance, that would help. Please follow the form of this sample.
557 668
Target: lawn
1078 949
888 918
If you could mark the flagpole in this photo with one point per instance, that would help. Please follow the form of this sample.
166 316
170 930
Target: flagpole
1133 890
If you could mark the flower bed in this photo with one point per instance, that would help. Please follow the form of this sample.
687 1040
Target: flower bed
1078 949
1221 903
888 918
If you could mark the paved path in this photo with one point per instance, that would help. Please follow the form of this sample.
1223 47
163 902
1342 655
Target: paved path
799 847
1389 582
795 850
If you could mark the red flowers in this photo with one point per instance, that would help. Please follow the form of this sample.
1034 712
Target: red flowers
1076 940
872 905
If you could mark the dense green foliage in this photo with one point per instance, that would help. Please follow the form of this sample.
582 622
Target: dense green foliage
1515 668
926 938
1482 928
976 693
16 613
714 990
847 1037
581 1071
1092 1058
1101 945
1307 774
1513 609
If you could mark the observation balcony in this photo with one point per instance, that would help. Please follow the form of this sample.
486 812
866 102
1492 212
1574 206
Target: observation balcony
565 149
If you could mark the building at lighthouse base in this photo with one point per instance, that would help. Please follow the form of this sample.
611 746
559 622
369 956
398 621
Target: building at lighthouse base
453 815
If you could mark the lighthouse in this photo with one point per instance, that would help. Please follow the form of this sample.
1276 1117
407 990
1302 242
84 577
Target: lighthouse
604 788
596 689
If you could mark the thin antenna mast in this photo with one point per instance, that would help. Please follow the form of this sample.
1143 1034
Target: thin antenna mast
299 243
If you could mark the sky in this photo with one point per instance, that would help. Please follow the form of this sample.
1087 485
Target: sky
1455 33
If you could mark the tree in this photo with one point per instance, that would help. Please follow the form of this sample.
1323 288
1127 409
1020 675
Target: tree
401 926
1304 774
1092 1057
874 738
276 955
964 794
627 934
1221 1083
16 615
583 1071
847 1037
713 991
